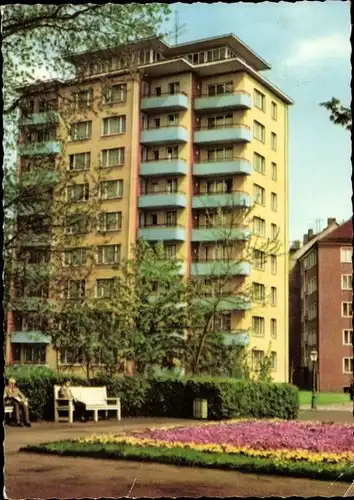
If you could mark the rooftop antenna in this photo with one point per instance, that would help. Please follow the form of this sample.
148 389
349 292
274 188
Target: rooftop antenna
318 225
178 28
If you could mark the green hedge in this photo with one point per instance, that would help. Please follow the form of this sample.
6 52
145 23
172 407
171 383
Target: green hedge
227 398
166 397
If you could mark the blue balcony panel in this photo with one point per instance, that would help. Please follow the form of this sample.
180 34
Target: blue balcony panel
215 200
180 264
164 167
161 200
175 134
175 102
222 167
33 337
39 177
41 118
220 267
228 303
220 233
162 233
236 100
237 337
40 148
232 134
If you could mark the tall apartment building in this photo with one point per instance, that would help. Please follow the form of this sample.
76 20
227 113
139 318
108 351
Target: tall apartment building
193 127
321 307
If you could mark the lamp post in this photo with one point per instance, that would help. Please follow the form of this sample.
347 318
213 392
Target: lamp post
313 357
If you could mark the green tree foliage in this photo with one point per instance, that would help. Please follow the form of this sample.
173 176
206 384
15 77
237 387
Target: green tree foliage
339 114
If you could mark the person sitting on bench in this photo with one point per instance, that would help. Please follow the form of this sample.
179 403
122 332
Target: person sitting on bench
14 397
65 392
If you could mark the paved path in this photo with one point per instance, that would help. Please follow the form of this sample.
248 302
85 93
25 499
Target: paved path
333 407
30 475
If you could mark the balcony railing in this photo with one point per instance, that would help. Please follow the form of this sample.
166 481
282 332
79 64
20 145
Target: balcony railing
200 159
199 192
143 226
162 94
220 94
162 158
221 126
154 127
161 191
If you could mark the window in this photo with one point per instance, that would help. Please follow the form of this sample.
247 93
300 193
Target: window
170 251
111 189
274 231
347 282
312 312
220 154
104 288
34 354
171 218
258 325
273 328
348 337
113 125
221 186
346 254
273 264
222 322
108 254
259 259
258 292
259 226
273 296
259 163
171 186
173 88
76 224
74 289
83 99
274 201
273 360
311 260
220 121
158 91
77 192
274 171
173 119
258 194
79 161
258 131
274 110
110 221
257 359
81 131
273 141
70 357
41 135
75 257
348 365
347 310
47 105
219 88
312 285
116 93
259 99
112 157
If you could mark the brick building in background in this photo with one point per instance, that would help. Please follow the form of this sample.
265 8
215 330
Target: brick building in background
320 307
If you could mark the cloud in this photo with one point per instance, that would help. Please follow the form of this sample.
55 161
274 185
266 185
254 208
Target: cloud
319 50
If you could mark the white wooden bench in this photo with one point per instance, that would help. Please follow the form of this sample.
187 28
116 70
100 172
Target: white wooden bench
9 409
95 399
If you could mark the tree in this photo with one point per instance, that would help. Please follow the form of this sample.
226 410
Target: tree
209 300
339 114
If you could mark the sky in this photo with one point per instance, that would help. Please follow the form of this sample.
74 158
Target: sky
308 46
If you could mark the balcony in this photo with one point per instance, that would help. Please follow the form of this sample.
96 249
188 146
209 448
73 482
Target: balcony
223 102
164 103
180 263
220 267
237 337
162 232
172 134
230 166
227 303
41 118
162 199
229 133
163 166
32 337
40 148
215 200
36 178
217 233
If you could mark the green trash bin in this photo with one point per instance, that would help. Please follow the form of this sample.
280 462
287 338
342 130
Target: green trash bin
200 408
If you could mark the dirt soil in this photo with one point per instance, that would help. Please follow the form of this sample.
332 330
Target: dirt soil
29 475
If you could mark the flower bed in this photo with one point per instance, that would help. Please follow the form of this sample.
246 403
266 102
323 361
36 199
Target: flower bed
305 449
313 442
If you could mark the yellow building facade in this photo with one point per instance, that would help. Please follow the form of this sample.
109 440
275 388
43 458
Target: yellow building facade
159 140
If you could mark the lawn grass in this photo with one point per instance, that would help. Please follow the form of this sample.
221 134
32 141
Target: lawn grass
324 398
184 457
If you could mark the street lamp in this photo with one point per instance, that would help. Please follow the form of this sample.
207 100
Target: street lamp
313 358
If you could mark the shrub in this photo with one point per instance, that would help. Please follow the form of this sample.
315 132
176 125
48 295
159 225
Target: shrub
227 398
